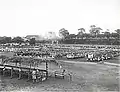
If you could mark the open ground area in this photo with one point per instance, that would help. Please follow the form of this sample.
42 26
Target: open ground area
85 78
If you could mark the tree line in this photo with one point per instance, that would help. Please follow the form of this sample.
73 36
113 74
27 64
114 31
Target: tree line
18 39
82 37
93 37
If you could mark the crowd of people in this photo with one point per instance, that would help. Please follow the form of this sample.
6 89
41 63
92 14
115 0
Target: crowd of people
54 51
91 53
38 76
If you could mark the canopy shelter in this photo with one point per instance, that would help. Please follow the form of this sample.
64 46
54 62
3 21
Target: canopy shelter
23 65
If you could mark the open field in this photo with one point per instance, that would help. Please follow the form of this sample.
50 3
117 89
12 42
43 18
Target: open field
85 78
114 60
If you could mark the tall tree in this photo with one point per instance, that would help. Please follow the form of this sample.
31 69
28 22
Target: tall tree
114 35
72 36
17 39
5 40
107 34
94 30
8 39
63 33
81 31
32 41
117 31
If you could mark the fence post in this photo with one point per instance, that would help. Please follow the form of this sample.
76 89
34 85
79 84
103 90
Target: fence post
29 75
11 72
46 69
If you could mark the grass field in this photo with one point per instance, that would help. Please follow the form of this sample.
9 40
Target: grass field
85 78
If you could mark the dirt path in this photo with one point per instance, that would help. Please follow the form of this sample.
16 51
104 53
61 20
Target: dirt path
93 63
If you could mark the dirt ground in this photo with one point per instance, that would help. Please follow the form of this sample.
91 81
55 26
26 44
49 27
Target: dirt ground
85 78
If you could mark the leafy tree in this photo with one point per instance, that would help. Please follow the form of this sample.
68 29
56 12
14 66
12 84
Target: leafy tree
8 39
72 36
117 31
107 34
81 31
94 30
63 33
2 40
17 39
115 35
5 39
32 41
86 35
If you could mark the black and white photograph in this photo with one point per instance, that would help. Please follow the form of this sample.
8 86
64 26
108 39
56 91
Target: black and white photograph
59 45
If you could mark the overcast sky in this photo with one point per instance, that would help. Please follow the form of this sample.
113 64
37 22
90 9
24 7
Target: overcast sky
26 17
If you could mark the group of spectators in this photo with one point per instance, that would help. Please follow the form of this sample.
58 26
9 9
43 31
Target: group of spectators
66 50
38 75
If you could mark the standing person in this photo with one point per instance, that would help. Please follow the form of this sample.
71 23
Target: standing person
20 70
37 75
34 76
4 70
60 67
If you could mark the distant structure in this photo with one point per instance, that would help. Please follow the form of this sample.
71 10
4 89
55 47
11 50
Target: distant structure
49 37
37 37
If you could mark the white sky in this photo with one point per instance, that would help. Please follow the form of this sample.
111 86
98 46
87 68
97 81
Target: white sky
26 17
